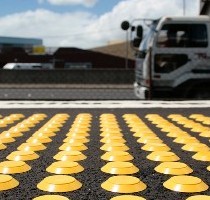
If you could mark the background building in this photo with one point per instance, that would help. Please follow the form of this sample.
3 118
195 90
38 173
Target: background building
31 50
28 44
121 49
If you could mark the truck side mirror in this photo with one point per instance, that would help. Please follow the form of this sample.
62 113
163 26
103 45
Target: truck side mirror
136 42
125 25
139 31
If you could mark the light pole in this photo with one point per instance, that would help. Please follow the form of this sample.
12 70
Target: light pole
184 7
126 60
125 26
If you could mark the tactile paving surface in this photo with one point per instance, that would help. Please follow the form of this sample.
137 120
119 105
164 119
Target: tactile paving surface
100 154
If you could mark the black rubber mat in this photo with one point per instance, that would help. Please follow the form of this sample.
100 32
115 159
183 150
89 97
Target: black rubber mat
92 177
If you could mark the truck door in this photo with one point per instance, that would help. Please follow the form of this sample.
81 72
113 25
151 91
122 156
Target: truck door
175 52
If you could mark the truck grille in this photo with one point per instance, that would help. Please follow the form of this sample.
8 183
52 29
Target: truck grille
138 75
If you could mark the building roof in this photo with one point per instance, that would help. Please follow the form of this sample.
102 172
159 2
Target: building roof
117 49
18 40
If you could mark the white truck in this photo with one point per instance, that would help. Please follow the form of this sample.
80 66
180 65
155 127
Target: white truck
172 57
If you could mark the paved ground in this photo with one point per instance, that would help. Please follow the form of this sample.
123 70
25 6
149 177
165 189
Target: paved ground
92 177
67 92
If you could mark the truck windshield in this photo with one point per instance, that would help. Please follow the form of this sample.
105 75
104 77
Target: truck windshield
148 36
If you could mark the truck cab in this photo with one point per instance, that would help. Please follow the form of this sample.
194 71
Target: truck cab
173 59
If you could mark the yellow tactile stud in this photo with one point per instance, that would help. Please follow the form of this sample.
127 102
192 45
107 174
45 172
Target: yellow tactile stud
208 168
163 156
40 115
73 147
9 120
31 147
114 146
15 132
29 124
123 184
76 139
13 167
11 133
189 125
149 139
65 167
136 123
82 122
78 129
41 139
167 128
112 139
7 182
63 115
202 156
70 156
195 116
126 197
206 121
174 116
105 129
195 147
183 121
59 183
156 147
108 124
173 168
22 155
144 134
117 156
79 133
17 116
52 129
185 184
119 168
51 197
3 124
139 129
53 125
205 134
22 127
81 125
111 134
6 139
2 146
186 140
33 120
202 118
199 197
199 128
57 121
178 134
44 133
163 124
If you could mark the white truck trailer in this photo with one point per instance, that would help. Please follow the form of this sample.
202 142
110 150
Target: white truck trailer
172 57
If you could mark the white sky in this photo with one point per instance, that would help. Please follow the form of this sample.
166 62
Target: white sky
87 29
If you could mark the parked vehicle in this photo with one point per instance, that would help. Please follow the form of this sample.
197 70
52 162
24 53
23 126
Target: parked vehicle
172 57
11 66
